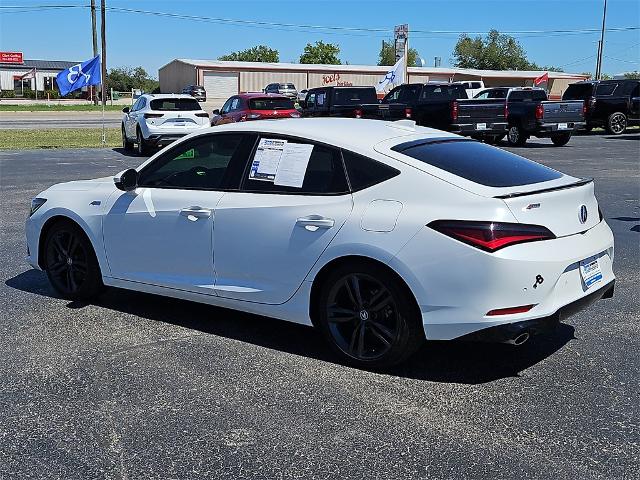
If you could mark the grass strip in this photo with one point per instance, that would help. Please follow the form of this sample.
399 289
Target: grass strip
58 138
60 108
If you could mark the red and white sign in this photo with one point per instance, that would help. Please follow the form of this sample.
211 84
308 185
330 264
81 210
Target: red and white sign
11 57
541 79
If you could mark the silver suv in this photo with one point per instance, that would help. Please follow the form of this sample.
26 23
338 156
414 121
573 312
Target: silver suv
286 89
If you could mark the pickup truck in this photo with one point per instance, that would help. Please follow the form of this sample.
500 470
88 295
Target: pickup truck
530 113
355 102
612 104
445 106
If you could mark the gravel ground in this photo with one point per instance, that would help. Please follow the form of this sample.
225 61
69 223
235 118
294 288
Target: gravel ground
137 386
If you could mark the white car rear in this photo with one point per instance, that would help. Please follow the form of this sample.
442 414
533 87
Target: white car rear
157 120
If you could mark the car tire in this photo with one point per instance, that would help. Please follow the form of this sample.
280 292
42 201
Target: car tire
516 136
141 144
71 263
368 316
493 139
561 139
616 123
126 144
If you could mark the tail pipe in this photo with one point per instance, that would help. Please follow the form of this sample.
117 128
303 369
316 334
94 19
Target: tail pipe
519 339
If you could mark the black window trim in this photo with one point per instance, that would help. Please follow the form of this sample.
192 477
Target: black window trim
199 137
288 137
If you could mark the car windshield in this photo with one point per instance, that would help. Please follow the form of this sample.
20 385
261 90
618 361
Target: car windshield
578 91
478 162
354 96
270 104
175 104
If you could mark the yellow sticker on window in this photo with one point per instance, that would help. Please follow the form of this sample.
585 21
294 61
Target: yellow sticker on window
188 154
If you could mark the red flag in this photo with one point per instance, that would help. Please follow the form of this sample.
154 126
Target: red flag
541 79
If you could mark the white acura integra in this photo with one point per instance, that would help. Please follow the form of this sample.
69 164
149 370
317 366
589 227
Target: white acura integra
380 234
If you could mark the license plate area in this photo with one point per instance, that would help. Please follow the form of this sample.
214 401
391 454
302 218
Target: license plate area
481 126
563 126
590 271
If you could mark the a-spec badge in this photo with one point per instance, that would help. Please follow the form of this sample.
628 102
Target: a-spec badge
583 214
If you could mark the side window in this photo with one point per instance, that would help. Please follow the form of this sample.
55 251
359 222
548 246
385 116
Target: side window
227 106
409 93
207 162
320 98
364 172
311 100
143 103
324 175
483 95
636 91
136 106
235 103
393 95
606 89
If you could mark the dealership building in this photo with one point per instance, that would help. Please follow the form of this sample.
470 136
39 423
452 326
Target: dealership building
222 79
42 78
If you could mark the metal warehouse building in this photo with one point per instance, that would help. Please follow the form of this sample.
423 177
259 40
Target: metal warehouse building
45 73
223 79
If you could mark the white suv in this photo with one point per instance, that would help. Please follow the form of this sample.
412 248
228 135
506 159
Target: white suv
157 120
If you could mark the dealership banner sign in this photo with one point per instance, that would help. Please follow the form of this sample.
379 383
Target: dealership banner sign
11 57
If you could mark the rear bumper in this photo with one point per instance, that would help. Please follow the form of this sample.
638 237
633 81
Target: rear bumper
508 331
162 140
497 128
545 129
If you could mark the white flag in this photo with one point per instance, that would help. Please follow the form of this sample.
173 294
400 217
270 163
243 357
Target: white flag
30 74
393 78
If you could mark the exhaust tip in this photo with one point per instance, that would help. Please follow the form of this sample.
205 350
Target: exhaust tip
521 339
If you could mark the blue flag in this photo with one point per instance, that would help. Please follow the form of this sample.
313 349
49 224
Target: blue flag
80 75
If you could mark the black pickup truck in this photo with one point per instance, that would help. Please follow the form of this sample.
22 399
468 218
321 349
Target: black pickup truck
530 113
612 104
355 102
445 106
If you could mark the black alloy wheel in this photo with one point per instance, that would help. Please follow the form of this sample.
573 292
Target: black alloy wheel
142 147
516 137
368 318
70 263
616 123
126 144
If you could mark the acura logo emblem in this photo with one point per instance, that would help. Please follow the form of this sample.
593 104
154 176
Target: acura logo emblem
583 214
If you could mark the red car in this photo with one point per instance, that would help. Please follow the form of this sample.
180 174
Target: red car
254 106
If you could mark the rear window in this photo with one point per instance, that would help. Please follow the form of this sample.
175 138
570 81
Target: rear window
270 104
478 162
606 89
288 86
578 91
354 96
443 92
527 95
175 104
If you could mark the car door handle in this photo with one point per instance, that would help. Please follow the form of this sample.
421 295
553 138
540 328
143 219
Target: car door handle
197 212
313 222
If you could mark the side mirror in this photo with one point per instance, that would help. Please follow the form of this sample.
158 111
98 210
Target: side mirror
125 110
126 180
216 112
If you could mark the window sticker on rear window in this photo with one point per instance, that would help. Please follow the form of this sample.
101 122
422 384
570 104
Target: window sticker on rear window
266 160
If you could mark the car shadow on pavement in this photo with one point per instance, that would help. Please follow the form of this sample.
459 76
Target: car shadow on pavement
447 362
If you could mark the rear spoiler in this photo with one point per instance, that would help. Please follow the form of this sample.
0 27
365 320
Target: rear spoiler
579 183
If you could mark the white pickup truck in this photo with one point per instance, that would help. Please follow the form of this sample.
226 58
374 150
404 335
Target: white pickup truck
472 87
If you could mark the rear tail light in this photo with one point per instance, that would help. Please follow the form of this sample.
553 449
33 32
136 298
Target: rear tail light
454 111
294 114
357 113
491 236
585 108
408 112
539 111
202 114
153 115
510 310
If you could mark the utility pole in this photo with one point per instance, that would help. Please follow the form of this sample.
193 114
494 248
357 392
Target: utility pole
601 44
95 43
104 51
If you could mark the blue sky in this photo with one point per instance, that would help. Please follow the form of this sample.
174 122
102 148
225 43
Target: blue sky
151 41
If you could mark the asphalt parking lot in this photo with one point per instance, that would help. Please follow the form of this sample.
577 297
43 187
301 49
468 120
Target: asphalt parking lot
137 386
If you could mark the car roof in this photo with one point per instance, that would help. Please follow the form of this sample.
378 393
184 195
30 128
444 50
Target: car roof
356 134
156 96
260 95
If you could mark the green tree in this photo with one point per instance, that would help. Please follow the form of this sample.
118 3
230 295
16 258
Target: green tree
324 53
495 51
387 55
259 53
124 79
635 75
548 68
